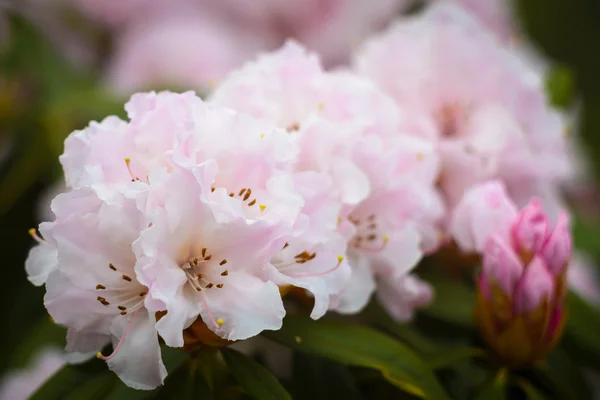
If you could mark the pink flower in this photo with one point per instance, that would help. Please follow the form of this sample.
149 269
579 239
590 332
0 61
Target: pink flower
192 49
401 296
21 384
483 108
348 130
523 280
92 288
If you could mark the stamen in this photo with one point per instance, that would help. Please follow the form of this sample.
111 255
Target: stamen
225 273
112 267
253 202
312 275
223 262
218 322
210 284
220 285
242 192
125 277
384 241
212 189
231 194
122 308
128 163
208 257
293 127
103 301
35 236
247 195
142 294
106 358
203 251
286 245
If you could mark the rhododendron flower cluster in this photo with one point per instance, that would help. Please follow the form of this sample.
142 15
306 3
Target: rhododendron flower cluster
522 286
194 211
196 216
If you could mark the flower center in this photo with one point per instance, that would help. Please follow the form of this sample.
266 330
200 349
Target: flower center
450 118
201 276
126 298
368 236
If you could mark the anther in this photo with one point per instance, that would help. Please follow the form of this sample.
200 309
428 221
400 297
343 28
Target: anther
112 267
100 287
210 284
199 289
242 192
195 260
220 285
123 313
203 251
372 237
293 127
286 245
225 273
223 262
247 195
208 257
125 277
142 294
231 194
253 202
122 308
212 189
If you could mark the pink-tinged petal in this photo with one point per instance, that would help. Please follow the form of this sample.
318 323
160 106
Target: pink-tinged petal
41 261
536 285
501 265
85 343
138 360
402 296
484 210
243 307
400 255
357 293
530 229
354 185
74 307
559 246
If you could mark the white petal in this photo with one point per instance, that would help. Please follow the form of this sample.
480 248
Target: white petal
42 260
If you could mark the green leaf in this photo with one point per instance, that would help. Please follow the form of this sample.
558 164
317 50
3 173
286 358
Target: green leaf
495 389
45 333
530 391
559 85
258 381
450 357
405 332
186 383
89 381
454 302
563 377
581 334
585 235
360 346
318 379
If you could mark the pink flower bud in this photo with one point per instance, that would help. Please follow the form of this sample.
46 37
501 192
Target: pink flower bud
501 265
558 247
530 229
536 285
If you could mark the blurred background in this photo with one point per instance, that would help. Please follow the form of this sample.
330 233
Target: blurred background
66 62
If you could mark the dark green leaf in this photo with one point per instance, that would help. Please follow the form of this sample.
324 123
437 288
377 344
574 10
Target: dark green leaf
559 84
530 391
43 334
91 380
186 383
454 302
450 357
581 336
258 381
318 379
495 389
360 346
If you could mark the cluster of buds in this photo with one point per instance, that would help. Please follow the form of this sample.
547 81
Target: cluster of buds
522 286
